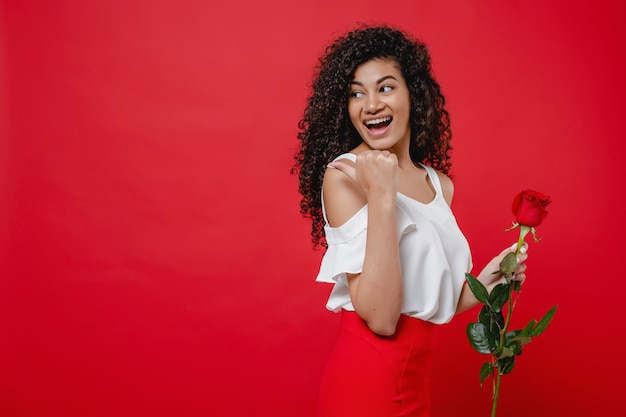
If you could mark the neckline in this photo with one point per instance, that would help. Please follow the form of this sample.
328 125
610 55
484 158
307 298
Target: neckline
432 182
431 202
353 156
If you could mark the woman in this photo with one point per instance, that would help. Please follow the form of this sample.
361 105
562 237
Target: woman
375 144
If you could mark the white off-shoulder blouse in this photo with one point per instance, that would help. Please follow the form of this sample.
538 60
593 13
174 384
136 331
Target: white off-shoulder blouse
434 255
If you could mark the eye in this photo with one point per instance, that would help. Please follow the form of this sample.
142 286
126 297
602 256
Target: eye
356 94
386 89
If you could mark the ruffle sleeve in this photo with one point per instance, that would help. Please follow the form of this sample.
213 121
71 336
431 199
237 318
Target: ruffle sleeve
346 245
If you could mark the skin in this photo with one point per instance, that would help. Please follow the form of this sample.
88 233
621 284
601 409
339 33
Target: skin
382 169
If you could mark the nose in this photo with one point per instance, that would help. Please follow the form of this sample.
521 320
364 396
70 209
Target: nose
371 105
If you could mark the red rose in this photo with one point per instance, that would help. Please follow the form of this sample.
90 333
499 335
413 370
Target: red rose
529 208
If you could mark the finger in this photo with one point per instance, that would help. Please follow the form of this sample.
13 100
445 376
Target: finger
519 277
522 252
513 247
520 273
344 167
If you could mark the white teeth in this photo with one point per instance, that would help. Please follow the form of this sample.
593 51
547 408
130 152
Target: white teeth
377 121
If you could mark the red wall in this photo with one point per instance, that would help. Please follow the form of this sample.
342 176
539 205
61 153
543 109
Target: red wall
153 261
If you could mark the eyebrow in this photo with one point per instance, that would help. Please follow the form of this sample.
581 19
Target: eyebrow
386 77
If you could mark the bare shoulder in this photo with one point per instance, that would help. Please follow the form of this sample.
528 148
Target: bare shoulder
447 186
342 196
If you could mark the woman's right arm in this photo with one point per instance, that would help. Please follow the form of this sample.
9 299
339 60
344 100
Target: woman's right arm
376 293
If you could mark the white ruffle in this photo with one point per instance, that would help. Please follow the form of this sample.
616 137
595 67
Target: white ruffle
346 245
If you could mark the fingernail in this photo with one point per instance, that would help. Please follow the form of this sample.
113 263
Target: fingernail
514 246
523 249
518 259
330 166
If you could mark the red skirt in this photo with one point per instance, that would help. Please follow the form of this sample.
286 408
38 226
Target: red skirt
378 376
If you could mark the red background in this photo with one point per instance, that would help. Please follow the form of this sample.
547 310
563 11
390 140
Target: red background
153 260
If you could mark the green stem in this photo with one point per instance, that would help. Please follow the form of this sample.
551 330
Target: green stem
516 298
496 391
498 374
520 241
493 379
509 311
522 234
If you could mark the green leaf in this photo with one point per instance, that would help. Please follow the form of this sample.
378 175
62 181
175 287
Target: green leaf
506 365
509 336
517 285
542 324
477 288
514 342
484 316
485 371
506 353
498 296
493 320
529 327
522 340
478 336
508 264
518 343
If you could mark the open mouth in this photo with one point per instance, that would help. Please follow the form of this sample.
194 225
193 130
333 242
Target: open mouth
378 124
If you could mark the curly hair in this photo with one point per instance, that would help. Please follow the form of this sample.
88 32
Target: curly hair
326 131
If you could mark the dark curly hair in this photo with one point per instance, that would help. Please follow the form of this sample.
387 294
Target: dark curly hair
326 130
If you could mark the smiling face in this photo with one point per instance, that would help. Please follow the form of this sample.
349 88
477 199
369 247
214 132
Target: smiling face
379 105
